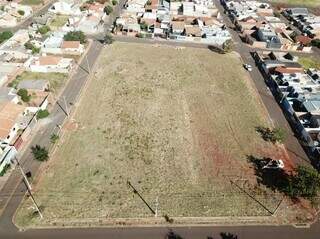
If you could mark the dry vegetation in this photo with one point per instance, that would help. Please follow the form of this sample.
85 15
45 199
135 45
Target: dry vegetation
179 124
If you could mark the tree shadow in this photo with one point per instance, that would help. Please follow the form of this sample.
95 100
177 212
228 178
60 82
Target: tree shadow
228 235
264 132
275 179
172 235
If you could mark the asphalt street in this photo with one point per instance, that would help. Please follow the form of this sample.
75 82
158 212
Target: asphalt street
13 192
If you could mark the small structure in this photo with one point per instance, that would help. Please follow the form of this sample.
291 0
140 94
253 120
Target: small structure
34 85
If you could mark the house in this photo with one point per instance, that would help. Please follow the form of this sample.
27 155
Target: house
9 94
34 85
11 115
7 20
193 31
177 27
136 6
270 37
65 8
49 64
14 47
72 48
298 12
53 42
9 71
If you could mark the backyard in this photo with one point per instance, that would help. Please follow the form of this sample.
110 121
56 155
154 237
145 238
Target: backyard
178 124
58 21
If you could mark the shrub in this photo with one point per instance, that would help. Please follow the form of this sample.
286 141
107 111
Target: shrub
75 36
40 153
227 46
108 9
23 93
42 114
32 47
144 26
5 36
276 135
5 169
43 30
21 12
114 2
305 183
54 138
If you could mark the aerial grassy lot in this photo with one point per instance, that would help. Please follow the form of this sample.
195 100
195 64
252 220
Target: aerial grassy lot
56 80
31 2
58 21
177 123
310 62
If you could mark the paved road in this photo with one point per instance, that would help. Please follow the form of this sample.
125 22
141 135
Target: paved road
71 92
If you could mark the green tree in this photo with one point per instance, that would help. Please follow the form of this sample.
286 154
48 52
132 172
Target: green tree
23 93
28 45
278 135
21 12
316 43
108 9
227 46
43 30
54 138
42 114
75 36
5 36
143 26
304 183
40 153
114 2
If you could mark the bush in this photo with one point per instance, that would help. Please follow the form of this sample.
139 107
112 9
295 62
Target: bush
108 9
43 30
276 135
227 46
5 36
21 12
42 114
75 36
305 183
5 169
40 153
23 93
114 2
143 26
33 48
54 138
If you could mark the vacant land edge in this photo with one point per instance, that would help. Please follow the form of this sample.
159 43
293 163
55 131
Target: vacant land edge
178 124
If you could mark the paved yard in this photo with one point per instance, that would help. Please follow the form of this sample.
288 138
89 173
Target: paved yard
177 123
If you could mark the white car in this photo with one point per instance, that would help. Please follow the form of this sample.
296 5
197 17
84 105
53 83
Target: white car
274 164
247 67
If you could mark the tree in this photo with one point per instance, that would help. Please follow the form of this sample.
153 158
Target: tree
114 2
75 36
43 30
21 12
108 39
5 36
108 9
144 26
54 138
40 153
42 114
278 135
28 45
23 93
305 183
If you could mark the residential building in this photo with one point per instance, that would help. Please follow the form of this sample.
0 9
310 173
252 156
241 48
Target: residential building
47 64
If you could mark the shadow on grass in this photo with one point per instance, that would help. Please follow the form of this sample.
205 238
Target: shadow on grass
227 235
275 179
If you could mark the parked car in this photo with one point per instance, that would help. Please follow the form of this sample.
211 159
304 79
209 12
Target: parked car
247 67
273 164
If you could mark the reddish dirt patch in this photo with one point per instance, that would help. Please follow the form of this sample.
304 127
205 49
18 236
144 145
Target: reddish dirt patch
71 126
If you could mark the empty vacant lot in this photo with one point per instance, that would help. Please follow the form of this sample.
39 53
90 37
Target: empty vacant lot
179 124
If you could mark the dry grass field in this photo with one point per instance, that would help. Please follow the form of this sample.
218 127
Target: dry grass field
177 123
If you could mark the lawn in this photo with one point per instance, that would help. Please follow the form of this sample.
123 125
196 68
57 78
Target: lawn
31 2
177 123
56 80
58 21
309 62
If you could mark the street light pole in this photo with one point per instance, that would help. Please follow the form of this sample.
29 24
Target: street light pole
28 186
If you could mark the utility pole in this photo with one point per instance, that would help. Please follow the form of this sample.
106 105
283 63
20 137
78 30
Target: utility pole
157 204
23 174
66 105
28 186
